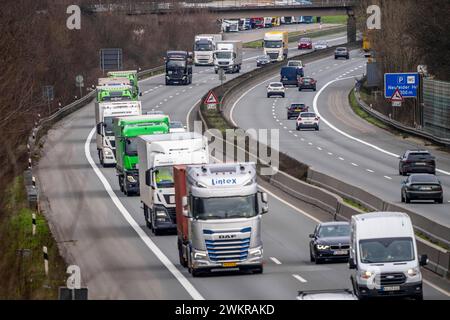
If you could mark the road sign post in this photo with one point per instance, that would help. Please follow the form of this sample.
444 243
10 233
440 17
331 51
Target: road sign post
79 82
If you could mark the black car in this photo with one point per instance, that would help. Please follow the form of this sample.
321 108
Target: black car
294 109
306 83
330 241
422 186
262 60
416 162
341 52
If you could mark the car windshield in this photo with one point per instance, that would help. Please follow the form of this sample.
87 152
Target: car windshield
307 115
341 49
108 123
131 147
295 63
276 84
225 207
164 177
263 58
176 64
321 42
305 40
419 156
273 43
337 230
223 55
176 124
297 106
386 250
420 178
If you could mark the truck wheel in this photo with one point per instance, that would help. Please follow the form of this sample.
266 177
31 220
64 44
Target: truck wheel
258 270
216 71
120 184
167 82
147 222
183 261
100 157
195 273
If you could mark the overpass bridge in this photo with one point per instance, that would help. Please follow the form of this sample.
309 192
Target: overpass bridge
234 9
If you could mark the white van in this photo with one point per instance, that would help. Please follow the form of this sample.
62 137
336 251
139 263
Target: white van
383 255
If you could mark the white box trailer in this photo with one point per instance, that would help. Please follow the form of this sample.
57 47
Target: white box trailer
105 112
157 156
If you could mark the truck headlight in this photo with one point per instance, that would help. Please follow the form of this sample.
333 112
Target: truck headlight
167 77
184 77
366 274
256 252
131 179
199 255
108 152
413 272
161 214
322 247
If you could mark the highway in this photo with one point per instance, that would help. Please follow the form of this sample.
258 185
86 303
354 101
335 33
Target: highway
104 232
346 147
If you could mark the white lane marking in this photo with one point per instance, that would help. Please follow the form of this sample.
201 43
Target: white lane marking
285 128
275 260
319 148
189 114
354 164
297 136
145 238
310 143
369 170
340 158
436 288
387 177
302 139
296 276
330 153
316 110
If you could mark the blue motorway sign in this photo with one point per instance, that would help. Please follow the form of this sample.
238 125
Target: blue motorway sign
407 83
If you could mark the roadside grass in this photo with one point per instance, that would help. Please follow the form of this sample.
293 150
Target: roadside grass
335 19
294 36
22 273
363 114
356 205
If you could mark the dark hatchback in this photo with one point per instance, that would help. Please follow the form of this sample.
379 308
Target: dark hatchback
306 83
416 162
294 109
262 60
330 241
422 186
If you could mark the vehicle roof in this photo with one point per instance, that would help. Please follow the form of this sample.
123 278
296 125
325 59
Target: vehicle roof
332 223
172 136
423 177
383 225
417 151
275 82
143 118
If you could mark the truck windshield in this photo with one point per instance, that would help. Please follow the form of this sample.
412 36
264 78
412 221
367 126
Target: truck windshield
386 250
164 177
108 122
223 55
203 46
130 147
176 64
225 207
273 43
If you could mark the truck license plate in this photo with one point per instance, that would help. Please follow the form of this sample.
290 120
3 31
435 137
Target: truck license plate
393 288
229 264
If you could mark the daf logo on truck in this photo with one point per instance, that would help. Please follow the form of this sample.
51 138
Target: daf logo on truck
223 181
227 236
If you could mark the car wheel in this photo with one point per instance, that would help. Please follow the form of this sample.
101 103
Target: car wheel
317 128
216 71
402 197
314 88
258 270
268 95
297 128
282 95
407 199
319 261
441 200
335 58
311 257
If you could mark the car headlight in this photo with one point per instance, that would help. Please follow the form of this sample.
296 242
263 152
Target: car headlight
108 152
131 179
413 272
256 252
167 77
199 255
366 274
322 247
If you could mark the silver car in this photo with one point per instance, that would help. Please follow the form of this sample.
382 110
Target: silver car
320 45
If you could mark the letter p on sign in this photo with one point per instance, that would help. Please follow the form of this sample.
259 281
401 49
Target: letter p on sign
374 20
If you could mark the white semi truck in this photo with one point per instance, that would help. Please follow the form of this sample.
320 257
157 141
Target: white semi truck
218 213
204 46
105 112
230 25
157 156
228 56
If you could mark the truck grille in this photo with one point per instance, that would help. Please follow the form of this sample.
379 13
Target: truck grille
392 278
273 56
172 214
223 63
228 250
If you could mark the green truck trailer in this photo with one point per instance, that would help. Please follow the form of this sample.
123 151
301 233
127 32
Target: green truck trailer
126 130
131 75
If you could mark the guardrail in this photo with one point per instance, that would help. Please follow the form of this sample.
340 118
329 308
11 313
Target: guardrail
327 192
393 123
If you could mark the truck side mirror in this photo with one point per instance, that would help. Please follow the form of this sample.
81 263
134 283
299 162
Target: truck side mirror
351 263
148 177
184 204
140 94
264 197
423 260
99 128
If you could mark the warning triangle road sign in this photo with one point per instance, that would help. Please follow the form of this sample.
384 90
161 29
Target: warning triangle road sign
397 96
211 98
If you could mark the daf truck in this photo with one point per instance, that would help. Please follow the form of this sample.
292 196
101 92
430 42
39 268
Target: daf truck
275 45
131 75
115 93
126 131
116 81
157 156
228 56
218 214
178 67
204 46
105 112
